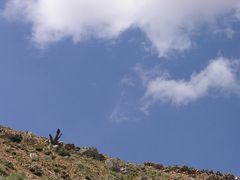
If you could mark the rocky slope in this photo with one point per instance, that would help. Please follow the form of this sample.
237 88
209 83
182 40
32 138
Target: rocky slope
26 156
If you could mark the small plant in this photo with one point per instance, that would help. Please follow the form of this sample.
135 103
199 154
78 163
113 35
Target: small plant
56 170
47 153
3 172
207 171
219 173
65 175
36 170
63 152
39 149
14 153
186 169
53 157
9 165
55 140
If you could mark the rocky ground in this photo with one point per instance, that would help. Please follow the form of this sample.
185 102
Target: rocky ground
26 156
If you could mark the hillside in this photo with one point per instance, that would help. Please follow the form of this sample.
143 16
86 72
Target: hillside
27 156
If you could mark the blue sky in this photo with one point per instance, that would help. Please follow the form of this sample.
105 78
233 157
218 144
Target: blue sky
137 84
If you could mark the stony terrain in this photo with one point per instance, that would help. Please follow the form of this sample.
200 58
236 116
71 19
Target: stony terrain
26 156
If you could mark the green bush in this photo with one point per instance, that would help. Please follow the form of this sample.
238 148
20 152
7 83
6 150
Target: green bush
16 138
63 152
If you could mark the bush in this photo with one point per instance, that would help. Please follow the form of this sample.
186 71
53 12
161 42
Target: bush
47 153
9 165
154 165
39 149
16 138
3 172
63 152
65 175
36 170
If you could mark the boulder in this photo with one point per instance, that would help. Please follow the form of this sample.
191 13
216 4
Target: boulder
124 170
34 156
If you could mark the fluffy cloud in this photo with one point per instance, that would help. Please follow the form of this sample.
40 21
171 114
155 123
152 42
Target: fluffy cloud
169 24
219 76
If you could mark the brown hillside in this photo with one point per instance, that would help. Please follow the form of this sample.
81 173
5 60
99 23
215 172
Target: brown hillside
26 156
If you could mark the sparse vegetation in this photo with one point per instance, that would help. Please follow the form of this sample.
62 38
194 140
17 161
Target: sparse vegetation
42 158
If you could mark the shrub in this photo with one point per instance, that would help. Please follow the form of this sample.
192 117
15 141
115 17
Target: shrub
3 172
36 170
63 152
65 175
16 138
39 149
186 169
9 165
154 165
53 157
47 153
219 173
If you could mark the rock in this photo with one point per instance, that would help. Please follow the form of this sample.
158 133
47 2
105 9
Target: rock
123 170
113 164
55 147
92 153
34 156
69 146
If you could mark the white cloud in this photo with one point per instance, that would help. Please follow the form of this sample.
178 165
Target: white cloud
127 107
168 24
220 76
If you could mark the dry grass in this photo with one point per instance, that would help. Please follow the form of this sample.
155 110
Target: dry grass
57 164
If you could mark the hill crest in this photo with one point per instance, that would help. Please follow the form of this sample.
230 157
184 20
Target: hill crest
24 155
